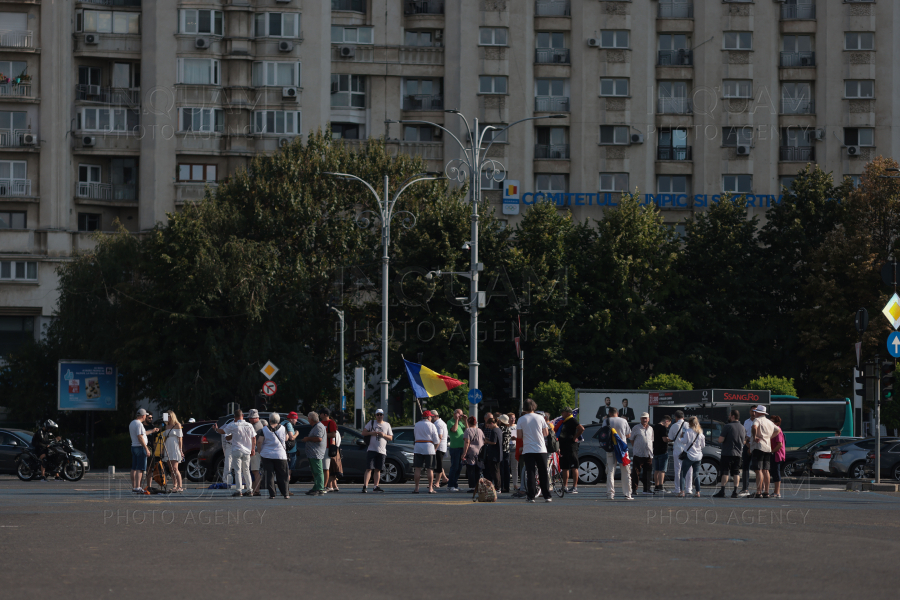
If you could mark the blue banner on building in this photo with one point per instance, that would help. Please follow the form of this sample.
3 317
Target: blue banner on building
86 385
661 200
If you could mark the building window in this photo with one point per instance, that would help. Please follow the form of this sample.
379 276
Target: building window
276 121
198 71
15 332
12 219
613 134
855 180
737 184
491 84
348 91
492 36
107 21
207 22
347 131
194 172
88 221
285 25
787 183
18 270
859 41
737 136
551 39
859 136
423 38
552 142
13 70
202 119
550 183
672 184
102 119
89 174
614 39
351 35
89 75
737 40
275 74
737 88
613 182
613 87
417 133
493 135
859 88
11 122
489 180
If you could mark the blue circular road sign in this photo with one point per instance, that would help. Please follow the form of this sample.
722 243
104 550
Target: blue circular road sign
474 396
893 344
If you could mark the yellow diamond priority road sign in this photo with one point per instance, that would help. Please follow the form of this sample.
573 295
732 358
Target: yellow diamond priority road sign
269 370
892 311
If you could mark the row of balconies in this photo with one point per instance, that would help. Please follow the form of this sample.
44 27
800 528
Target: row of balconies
685 106
675 153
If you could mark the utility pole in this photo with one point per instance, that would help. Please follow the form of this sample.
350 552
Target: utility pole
343 404
521 381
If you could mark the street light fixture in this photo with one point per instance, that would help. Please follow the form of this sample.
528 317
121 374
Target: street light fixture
470 167
385 213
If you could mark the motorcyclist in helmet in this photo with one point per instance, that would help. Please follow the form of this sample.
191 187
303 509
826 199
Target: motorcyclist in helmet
41 442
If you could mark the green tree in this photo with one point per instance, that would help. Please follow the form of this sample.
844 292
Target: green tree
666 381
779 386
551 396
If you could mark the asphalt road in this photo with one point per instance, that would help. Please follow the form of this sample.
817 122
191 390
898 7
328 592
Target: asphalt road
93 539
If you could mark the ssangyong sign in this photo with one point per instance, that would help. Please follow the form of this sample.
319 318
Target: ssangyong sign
742 396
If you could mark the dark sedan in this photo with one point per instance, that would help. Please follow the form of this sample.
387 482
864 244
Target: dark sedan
890 461
796 462
15 441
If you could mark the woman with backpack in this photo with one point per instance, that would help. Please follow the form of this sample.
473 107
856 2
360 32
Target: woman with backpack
692 441
270 443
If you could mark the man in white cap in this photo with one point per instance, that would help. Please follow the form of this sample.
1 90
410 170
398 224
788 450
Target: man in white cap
761 448
642 465
379 433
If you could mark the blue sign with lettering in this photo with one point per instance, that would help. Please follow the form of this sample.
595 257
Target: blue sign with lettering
474 396
661 200
85 385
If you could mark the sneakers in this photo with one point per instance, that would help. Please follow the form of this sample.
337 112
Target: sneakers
719 494
450 489
572 491
532 501
629 497
546 500
734 494
364 490
313 493
647 493
743 494
377 489
236 495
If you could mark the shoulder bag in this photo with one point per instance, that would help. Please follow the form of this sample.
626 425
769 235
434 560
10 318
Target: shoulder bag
683 455
288 443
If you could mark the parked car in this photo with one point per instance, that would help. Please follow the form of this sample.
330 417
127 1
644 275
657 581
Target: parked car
890 461
819 462
796 462
192 443
849 459
14 441
210 457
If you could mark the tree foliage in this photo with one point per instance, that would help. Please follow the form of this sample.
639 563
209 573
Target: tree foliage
551 396
779 386
666 381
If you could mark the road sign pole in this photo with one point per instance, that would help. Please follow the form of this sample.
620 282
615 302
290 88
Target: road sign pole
878 423
521 382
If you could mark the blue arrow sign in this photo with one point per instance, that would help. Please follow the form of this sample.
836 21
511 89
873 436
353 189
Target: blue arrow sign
474 396
893 344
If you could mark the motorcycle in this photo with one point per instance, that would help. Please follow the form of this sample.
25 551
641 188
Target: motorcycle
59 461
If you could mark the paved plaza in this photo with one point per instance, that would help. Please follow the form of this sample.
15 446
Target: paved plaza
94 539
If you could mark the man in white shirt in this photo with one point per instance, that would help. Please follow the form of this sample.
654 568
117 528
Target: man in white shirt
441 427
139 450
642 438
675 431
427 441
532 429
623 429
241 434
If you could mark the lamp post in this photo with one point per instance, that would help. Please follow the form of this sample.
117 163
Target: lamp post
385 213
340 315
470 166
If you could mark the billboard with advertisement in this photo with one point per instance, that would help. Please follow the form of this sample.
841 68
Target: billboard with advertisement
594 404
87 385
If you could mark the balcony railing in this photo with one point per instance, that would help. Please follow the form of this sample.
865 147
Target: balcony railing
423 102
16 39
17 138
424 7
675 106
106 191
672 58
797 106
551 55
15 187
674 153
551 104
551 8
113 2
798 153
15 89
798 59
798 11
104 95
355 5
676 10
551 151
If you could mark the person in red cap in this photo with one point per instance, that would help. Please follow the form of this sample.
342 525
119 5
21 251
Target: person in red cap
427 441
291 433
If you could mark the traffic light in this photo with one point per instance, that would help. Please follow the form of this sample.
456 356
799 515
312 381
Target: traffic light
509 381
859 387
888 375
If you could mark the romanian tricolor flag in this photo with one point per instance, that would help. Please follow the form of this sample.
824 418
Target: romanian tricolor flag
621 448
426 383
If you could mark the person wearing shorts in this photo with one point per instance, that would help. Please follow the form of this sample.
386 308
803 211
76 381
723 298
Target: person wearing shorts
732 441
442 448
660 453
427 441
761 448
570 431
379 433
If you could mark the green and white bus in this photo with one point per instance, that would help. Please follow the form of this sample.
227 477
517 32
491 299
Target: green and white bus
806 419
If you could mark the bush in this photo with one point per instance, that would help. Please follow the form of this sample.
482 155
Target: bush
552 395
666 381
779 386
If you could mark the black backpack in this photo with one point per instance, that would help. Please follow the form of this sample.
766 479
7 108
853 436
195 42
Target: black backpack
605 437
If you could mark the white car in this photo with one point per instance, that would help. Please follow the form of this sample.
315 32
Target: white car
820 462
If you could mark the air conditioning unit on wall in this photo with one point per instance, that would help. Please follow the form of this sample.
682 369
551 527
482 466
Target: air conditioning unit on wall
593 42
743 150
289 92
285 46
92 39
348 51
637 138
853 150
201 43
88 141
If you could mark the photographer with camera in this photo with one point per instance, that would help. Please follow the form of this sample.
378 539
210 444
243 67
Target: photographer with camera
41 442
379 433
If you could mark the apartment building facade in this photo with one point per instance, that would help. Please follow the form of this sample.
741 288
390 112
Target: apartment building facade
126 110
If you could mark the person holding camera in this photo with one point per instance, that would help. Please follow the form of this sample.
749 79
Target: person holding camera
379 433
140 452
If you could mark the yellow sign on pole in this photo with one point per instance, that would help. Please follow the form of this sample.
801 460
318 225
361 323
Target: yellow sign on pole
892 311
269 370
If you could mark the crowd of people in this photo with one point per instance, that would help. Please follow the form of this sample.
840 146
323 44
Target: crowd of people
511 453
